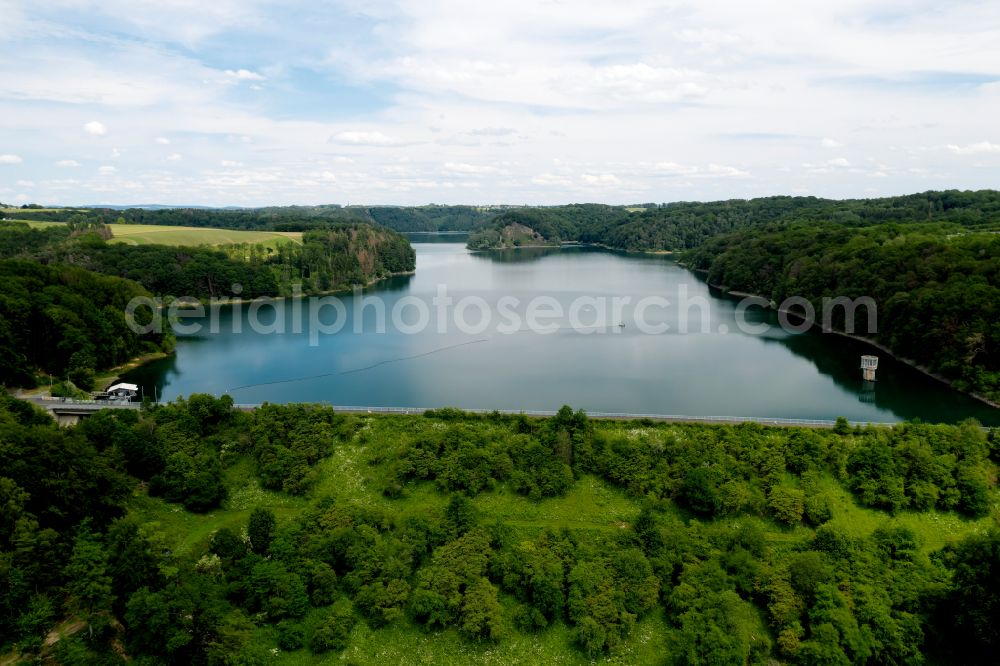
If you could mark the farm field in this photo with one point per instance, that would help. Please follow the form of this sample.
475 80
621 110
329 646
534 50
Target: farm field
146 234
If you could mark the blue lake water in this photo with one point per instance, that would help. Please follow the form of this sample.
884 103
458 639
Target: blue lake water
721 371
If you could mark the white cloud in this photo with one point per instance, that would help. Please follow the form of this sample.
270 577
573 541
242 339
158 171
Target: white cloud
602 179
492 131
243 75
67 163
174 157
725 171
550 179
95 128
106 170
975 148
7 158
25 183
674 169
482 99
462 167
364 138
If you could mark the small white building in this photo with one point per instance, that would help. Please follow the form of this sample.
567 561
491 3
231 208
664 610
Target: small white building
869 364
122 391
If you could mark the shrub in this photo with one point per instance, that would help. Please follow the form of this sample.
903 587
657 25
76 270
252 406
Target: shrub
787 503
334 630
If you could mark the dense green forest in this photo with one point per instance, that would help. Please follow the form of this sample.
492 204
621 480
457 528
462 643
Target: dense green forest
277 218
66 322
552 225
329 258
194 533
65 288
930 261
937 288
685 225
669 226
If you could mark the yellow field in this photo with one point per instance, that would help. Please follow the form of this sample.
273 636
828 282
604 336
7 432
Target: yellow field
144 234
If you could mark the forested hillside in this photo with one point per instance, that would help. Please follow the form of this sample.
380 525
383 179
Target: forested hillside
278 218
66 322
329 258
931 261
193 533
685 225
937 289
552 225
63 298
431 218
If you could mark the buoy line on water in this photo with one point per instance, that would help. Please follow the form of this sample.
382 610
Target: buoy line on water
397 360
354 370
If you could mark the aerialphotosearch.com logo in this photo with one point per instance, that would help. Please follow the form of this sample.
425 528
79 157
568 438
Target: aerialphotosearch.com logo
319 316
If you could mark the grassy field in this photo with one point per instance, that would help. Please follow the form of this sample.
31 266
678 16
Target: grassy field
144 234
34 224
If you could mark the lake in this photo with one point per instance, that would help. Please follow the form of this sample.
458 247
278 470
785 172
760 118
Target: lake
608 365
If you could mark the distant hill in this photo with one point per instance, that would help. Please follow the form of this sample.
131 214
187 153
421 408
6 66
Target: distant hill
275 218
686 225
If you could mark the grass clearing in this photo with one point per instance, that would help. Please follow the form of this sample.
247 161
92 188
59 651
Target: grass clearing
936 529
590 504
38 224
184 532
144 234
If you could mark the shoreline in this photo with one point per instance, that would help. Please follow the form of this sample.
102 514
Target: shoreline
562 244
114 375
139 361
239 300
857 338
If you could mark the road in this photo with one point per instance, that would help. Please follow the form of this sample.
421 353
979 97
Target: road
80 408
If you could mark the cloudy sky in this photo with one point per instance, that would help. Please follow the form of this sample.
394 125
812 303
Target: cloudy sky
248 102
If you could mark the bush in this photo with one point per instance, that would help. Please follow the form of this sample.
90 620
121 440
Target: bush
83 377
67 389
818 509
291 635
699 491
787 503
334 630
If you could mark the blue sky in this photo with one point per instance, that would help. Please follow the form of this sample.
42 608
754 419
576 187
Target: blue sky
541 102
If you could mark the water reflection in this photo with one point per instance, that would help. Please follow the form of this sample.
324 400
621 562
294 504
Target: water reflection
899 386
426 237
624 370
517 255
